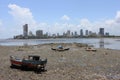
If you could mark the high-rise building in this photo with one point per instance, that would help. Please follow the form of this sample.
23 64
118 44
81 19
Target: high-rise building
39 33
54 35
25 30
86 32
68 33
64 34
81 32
101 31
75 34
72 34
106 34
90 32
58 34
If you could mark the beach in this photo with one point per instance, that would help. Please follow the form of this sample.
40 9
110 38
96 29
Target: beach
73 64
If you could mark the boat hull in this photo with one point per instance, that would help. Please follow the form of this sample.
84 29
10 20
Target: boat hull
16 63
60 49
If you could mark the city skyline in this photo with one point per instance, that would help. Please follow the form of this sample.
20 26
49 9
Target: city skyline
40 34
59 16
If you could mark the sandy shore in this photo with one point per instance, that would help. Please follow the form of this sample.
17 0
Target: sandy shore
74 64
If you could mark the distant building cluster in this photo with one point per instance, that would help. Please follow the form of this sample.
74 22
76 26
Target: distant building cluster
68 34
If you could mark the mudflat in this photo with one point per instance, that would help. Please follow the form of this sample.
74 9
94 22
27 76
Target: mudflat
73 64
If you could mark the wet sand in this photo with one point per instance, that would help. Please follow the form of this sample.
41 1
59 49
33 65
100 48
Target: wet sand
74 64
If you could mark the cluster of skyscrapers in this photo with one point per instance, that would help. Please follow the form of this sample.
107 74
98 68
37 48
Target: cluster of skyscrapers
27 35
67 34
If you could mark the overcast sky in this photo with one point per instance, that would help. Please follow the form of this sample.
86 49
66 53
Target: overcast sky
58 16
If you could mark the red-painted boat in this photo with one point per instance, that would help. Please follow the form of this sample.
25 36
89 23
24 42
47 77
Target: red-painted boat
15 61
32 62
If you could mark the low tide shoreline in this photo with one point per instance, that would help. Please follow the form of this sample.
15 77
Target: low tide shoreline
74 64
112 43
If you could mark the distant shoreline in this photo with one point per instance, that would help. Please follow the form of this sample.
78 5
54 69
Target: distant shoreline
116 37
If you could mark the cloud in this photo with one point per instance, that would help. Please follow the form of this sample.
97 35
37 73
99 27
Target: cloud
22 16
117 18
65 17
85 23
115 21
110 22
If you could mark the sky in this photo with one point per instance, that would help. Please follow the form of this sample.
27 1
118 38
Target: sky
58 16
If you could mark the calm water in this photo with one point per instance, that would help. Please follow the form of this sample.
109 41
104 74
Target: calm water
97 42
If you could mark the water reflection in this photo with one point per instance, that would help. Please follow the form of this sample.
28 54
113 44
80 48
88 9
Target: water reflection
101 43
25 44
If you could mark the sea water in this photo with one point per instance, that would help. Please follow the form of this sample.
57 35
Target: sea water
112 43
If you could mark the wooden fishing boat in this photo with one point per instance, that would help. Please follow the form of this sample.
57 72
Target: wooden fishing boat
57 49
60 48
32 62
91 49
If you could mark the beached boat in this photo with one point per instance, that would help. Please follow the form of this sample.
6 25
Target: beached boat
90 49
32 62
60 48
